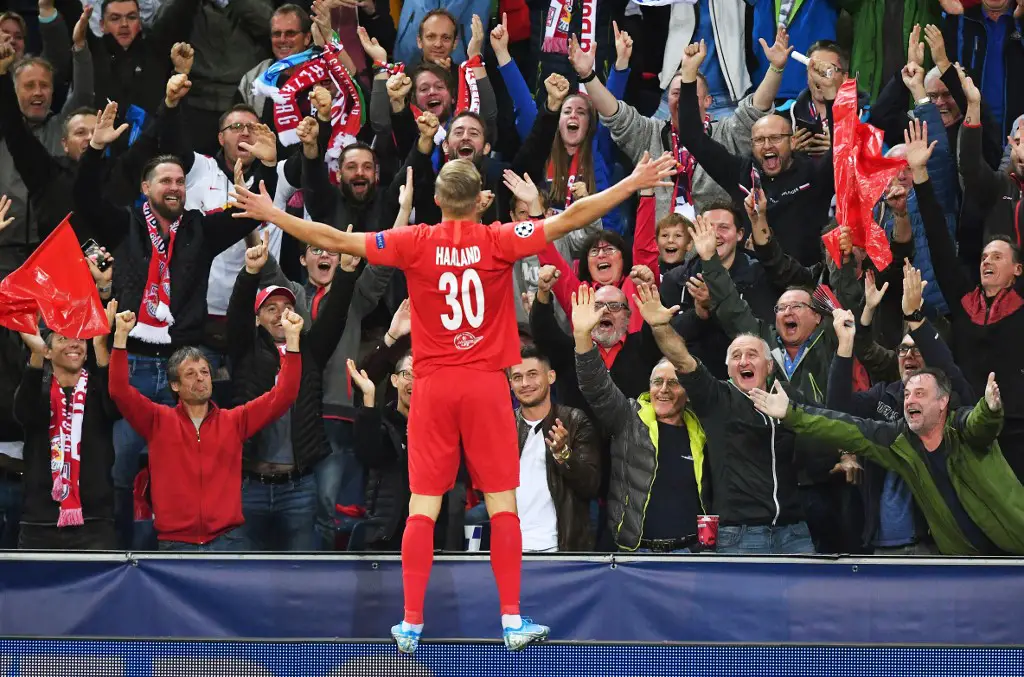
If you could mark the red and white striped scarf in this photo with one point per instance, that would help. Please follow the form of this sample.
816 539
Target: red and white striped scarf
66 449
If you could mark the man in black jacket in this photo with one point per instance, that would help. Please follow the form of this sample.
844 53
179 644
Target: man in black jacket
753 470
279 493
163 253
799 188
68 418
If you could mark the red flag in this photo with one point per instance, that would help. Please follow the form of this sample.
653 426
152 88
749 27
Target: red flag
56 282
862 174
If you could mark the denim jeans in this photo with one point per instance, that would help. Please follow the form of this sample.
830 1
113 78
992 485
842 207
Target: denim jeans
341 481
10 513
230 541
148 375
792 539
279 516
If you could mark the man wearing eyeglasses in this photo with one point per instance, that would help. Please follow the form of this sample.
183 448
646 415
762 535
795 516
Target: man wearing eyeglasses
799 188
893 524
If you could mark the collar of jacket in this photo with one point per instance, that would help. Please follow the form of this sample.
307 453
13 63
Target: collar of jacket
115 49
545 423
211 410
694 430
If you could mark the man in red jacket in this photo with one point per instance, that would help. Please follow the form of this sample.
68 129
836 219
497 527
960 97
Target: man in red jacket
195 448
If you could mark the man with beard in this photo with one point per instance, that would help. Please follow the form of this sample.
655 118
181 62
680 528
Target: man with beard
33 85
892 525
684 286
657 447
799 188
467 139
629 357
196 466
164 253
357 200
559 462
68 419
948 457
761 514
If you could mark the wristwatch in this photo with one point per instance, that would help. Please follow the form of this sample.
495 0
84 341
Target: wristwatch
916 316
588 78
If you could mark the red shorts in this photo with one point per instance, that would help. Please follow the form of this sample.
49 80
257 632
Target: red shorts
457 404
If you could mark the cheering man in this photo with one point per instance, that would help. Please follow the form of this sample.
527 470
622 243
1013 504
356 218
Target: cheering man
460 277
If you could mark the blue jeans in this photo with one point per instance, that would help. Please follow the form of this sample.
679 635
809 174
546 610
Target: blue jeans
279 516
148 375
10 513
792 539
231 541
341 481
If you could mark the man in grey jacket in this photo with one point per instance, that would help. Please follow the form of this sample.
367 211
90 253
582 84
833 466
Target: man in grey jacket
636 134
658 478
33 84
290 34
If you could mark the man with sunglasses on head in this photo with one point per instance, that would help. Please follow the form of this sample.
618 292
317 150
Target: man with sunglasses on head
893 524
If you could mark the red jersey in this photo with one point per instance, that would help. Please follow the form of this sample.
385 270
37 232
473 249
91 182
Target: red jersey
463 311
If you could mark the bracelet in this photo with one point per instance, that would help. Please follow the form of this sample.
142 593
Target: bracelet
562 455
775 69
588 78
388 334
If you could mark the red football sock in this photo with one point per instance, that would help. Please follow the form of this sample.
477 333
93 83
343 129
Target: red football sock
417 558
507 559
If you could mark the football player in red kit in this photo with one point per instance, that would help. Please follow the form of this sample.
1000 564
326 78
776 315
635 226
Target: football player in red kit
459 276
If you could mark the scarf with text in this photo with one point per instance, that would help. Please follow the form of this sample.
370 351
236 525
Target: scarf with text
312 68
66 449
556 28
154 317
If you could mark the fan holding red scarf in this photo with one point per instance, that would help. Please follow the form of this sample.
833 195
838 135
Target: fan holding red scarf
68 419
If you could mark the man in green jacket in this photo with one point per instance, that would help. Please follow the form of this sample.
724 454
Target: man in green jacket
951 460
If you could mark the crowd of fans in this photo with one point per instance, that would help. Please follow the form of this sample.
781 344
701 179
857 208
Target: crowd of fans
695 352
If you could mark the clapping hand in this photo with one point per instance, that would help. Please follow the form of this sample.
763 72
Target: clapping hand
992 397
774 404
401 322
557 441
704 237
913 288
372 48
105 133
585 314
648 300
362 381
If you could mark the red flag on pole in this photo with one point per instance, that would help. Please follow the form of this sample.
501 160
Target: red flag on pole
862 174
54 281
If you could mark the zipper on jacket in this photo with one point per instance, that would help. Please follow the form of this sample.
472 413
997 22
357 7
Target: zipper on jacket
729 84
775 474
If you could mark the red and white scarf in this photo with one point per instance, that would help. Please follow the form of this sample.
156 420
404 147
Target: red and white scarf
467 97
346 109
556 28
686 163
574 166
66 449
154 317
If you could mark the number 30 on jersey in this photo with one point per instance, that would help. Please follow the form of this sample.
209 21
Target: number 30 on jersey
470 306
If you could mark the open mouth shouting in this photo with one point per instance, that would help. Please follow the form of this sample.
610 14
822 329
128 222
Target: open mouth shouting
359 186
913 413
747 378
771 162
465 150
988 273
790 328
435 105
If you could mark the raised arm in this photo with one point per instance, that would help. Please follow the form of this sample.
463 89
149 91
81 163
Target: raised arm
272 405
647 174
982 426
659 318
732 311
140 412
260 207
107 220
981 182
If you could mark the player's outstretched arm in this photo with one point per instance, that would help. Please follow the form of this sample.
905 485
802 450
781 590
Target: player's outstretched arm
260 206
647 174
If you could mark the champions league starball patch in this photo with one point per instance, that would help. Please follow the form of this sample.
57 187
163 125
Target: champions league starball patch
524 229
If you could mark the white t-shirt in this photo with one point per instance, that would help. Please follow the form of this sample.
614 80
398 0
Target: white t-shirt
533 497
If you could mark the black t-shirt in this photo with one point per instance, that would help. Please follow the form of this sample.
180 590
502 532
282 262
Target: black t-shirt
674 504
937 468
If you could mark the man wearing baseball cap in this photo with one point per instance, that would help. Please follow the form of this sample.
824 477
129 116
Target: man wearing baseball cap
279 496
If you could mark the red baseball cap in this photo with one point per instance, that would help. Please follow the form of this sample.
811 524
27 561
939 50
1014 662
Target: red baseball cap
273 290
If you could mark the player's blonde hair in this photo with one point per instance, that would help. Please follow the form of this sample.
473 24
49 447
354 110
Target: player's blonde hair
457 187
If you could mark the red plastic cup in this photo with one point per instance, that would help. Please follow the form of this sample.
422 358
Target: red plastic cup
707 531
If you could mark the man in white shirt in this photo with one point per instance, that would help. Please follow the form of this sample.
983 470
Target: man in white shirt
559 462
